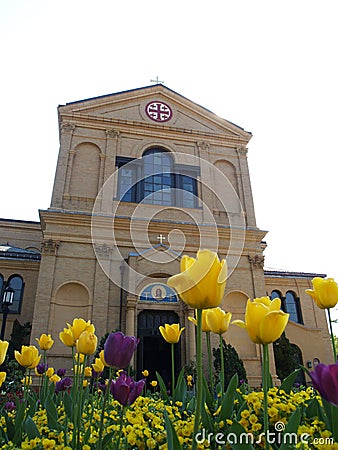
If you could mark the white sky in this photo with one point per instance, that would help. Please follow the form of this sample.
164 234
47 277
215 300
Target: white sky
269 66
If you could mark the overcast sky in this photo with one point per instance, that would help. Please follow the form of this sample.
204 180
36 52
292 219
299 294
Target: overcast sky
268 66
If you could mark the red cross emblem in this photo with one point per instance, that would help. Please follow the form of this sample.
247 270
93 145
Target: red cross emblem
159 111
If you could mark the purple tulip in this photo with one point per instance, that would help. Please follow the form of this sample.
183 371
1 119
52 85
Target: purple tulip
10 406
63 384
41 368
119 349
325 380
61 373
125 390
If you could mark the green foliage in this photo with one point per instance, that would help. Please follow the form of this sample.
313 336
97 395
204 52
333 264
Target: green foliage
232 363
285 357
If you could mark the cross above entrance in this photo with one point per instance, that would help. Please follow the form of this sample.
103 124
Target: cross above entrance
161 238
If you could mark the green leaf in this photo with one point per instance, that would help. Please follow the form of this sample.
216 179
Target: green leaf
172 439
288 382
68 405
239 438
208 396
107 439
207 421
163 388
290 432
180 391
52 414
9 426
228 400
31 429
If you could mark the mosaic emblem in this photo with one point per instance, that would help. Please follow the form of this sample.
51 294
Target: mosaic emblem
159 111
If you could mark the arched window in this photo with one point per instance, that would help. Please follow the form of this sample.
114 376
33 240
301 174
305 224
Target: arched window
292 306
16 283
156 179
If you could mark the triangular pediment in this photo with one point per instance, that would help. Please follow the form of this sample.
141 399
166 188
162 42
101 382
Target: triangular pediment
153 106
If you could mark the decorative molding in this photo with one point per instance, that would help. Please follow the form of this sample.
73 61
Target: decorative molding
256 261
112 134
67 127
103 250
203 145
242 151
50 247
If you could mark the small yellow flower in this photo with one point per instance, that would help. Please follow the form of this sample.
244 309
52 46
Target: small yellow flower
26 381
205 327
79 358
153 383
29 356
67 338
54 378
218 320
2 378
79 326
85 383
45 341
201 283
3 351
171 333
88 372
324 292
145 373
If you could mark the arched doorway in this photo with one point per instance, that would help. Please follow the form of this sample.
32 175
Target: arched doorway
154 353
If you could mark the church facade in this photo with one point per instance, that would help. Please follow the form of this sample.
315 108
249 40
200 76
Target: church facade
143 177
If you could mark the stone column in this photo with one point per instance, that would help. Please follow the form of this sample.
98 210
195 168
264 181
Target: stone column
44 292
130 319
66 136
245 187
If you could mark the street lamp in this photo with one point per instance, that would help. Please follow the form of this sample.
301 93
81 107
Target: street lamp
6 302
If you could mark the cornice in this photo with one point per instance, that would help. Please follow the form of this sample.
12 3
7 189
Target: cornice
155 130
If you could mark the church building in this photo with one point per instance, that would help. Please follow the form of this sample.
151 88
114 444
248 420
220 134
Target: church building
143 177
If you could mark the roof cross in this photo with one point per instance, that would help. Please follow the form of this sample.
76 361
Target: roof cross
161 238
157 81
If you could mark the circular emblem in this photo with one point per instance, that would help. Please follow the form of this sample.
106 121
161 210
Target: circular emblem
159 111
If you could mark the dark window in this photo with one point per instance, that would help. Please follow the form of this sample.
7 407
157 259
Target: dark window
290 305
155 179
16 283
1 285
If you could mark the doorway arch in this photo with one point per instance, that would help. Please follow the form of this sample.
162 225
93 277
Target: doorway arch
153 352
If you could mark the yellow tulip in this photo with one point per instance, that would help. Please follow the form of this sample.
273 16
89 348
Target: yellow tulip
67 338
50 372
153 383
2 377
201 283
88 372
218 320
45 342
79 326
171 333
264 320
86 343
101 355
3 351
324 292
98 365
29 356
79 358
145 373
54 378
205 327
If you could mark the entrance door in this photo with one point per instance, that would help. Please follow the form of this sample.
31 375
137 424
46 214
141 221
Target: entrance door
154 353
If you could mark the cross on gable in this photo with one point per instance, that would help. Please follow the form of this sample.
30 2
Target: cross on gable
161 238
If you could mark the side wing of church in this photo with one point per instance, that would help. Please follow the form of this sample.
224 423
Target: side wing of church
143 177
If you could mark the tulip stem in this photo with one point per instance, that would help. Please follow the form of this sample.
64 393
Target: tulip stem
222 364
198 409
211 377
103 410
265 391
332 337
172 369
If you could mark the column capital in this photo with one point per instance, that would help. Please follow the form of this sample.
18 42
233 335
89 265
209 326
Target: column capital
50 247
256 261
112 134
67 127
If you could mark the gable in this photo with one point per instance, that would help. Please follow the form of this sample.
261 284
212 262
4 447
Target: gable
153 106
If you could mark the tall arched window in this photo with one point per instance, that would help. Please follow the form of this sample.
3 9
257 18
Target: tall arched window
157 180
292 306
16 283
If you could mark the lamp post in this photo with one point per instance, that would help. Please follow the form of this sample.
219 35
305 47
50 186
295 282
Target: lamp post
6 302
